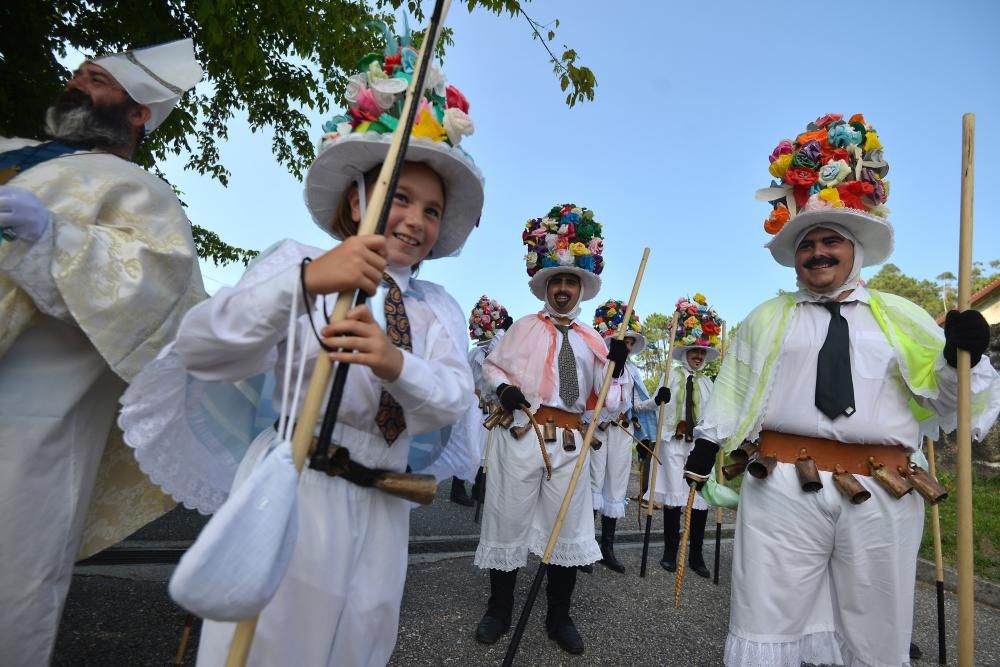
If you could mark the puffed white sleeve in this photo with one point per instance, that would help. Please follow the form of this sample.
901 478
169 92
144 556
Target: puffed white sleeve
234 334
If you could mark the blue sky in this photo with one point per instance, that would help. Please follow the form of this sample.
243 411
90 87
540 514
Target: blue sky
691 99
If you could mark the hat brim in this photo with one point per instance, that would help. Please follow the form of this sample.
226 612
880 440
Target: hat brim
680 351
638 346
873 233
590 284
341 161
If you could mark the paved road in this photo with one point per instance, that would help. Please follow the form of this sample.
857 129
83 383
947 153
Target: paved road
127 619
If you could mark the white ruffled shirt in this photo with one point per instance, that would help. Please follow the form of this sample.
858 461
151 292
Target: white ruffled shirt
242 331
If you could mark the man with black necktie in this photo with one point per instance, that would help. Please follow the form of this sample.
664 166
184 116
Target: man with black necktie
697 341
834 384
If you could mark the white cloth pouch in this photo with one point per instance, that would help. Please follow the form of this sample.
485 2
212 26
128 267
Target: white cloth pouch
235 566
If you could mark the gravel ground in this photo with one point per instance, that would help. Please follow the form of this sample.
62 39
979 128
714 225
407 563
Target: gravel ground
126 619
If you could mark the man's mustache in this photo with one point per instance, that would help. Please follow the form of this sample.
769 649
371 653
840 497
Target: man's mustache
563 294
820 261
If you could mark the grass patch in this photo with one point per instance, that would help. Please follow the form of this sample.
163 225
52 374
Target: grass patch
985 519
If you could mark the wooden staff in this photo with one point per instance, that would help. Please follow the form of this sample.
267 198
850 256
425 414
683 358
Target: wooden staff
481 495
682 556
656 450
536 584
375 217
938 558
185 635
966 564
721 480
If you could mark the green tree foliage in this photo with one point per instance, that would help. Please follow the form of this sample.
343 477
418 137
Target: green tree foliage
934 297
269 60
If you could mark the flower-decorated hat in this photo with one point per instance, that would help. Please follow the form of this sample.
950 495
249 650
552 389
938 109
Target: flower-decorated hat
698 327
358 141
488 318
566 240
608 317
833 172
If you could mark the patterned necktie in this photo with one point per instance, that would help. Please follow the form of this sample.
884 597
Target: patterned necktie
689 409
389 418
834 385
569 385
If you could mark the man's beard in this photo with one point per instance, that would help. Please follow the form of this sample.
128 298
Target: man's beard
75 118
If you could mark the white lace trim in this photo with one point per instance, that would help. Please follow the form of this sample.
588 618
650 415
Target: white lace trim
598 500
154 423
566 554
680 500
818 648
613 509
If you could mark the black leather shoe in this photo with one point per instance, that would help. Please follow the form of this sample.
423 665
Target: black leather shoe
915 652
458 493
491 628
700 570
567 637
586 569
669 564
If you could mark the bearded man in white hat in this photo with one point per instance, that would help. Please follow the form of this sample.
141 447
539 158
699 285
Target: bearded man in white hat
554 363
835 383
97 266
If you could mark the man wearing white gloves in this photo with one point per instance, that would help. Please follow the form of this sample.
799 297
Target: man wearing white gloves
97 266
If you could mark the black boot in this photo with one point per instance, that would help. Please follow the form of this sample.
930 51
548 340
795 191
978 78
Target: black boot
458 494
671 537
496 620
696 561
559 625
608 544
479 487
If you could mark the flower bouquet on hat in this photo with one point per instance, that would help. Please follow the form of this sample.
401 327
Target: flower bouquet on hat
357 141
834 172
487 320
698 327
609 316
567 240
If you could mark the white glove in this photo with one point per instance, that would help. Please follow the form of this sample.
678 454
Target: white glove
22 213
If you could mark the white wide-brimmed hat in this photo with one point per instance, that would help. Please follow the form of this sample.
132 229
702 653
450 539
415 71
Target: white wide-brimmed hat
566 240
608 317
358 141
699 327
156 76
833 172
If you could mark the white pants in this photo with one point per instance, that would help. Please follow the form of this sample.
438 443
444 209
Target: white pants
339 601
817 579
610 467
57 403
521 505
671 487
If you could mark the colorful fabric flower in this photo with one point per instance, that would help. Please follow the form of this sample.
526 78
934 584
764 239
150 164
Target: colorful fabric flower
844 135
456 100
823 121
800 176
779 216
832 173
780 165
784 147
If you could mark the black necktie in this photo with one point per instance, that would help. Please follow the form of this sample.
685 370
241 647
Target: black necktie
834 385
689 409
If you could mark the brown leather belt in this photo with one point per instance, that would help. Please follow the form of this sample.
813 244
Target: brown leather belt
560 418
829 453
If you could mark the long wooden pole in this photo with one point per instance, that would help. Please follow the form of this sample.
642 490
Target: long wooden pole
302 437
661 415
721 480
966 564
938 558
682 556
522 621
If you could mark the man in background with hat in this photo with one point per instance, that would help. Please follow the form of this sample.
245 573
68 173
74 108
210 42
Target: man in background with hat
835 383
97 266
553 364
611 465
696 343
